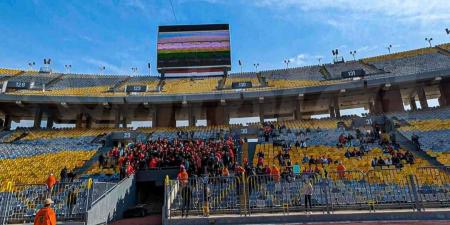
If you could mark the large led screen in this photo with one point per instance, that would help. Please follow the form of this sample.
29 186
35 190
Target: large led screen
194 48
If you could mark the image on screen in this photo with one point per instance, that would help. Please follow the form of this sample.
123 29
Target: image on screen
193 46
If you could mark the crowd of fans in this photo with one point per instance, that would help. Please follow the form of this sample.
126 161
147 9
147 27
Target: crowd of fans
195 156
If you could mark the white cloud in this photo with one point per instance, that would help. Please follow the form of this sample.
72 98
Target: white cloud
304 59
108 66
405 10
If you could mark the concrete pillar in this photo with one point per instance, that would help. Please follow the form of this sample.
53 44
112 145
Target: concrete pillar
88 121
117 119
124 121
154 117
444 88
332 111
261 112
37 119
165 116
7 122
412 103
217 115
337 109
389 101
191 116
297 111
50 121
79 121
422 98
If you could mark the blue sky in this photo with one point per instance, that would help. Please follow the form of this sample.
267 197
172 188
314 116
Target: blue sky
122 34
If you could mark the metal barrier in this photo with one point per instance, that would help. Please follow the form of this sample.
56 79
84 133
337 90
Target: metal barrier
20 203
205 195
388 189
376 189
433 186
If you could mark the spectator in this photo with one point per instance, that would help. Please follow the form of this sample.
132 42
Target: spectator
275 173
71 176
341 170
101 161
51 181
415 140
183 176
71 200
307 191
46 215
186 195
63 174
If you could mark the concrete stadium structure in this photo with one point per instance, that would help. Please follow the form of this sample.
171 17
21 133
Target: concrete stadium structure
390 82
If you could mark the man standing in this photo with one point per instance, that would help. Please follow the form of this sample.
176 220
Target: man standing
51 181
307 191
46 215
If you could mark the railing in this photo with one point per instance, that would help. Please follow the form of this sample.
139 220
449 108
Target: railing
355 190
20 203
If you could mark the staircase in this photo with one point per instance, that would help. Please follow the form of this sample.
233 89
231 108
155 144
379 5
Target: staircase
119 85
442 51
326 75
14 138
405 143
160 85
55 80
88 164
380 71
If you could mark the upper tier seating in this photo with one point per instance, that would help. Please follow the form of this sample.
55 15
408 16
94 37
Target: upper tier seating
282 83
9 72
39 79
427 114
445 46
190 86
150 82
415 64
297 73
336 69
84 81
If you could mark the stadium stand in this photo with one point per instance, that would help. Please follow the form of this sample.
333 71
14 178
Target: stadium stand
150 82
296 73
414 64
9 72
39 79
336 69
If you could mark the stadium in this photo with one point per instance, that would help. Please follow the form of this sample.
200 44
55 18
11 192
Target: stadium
166 149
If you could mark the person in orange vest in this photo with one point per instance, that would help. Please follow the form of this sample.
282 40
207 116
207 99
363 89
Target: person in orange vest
51 181
225 172
46 215
275 173
341 170
183 176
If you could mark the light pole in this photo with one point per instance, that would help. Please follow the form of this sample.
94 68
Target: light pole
287 61
68 67
256 65
353 53
389 48
319 59
31 64
429 41
134 70
149 69
335 53
101 68
240 64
